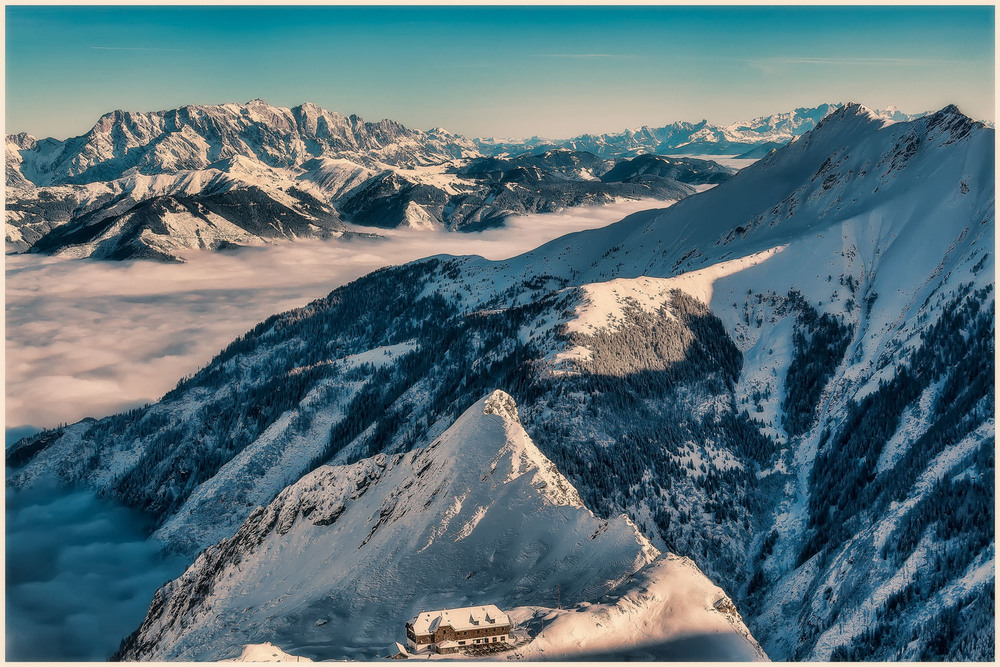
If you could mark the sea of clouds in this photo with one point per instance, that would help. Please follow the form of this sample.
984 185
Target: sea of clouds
80 573
87 338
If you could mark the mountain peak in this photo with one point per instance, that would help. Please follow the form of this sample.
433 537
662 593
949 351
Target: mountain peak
501 403
851 111
311 108
952 124
950 110
854 109
22 140
163 142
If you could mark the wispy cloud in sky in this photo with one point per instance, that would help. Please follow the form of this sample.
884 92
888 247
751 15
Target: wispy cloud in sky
167 49
586 55
132 48
805 60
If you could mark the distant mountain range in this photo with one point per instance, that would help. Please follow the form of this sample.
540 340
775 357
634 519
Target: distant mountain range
156 185
745 138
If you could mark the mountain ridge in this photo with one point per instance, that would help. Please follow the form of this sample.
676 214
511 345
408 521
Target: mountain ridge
479 498
145 141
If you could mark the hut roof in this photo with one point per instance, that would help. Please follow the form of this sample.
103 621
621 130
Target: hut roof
461 619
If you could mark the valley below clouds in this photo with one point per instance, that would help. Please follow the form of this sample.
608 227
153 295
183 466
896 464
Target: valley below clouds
80 573
86 338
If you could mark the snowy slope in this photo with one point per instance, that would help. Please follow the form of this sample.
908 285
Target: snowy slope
667 611
237 201
885 229
265 652
479 514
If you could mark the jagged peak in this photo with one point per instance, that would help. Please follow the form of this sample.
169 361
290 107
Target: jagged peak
951 123
854 109
502 404
818 107
22 140
950 111
846 112
381 524
107 121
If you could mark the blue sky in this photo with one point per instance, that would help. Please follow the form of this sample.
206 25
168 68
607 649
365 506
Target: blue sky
503 71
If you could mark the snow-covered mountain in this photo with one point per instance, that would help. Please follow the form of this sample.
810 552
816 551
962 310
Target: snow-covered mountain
337 563
701 138
787 378
481 193
235 202
195 136
155 185
242 202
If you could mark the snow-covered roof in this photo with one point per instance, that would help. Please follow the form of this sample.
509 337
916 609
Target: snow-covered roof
463 618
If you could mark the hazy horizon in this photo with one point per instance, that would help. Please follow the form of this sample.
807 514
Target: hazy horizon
555 72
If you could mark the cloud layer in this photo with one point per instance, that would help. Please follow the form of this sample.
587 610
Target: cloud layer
80 574
89 338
